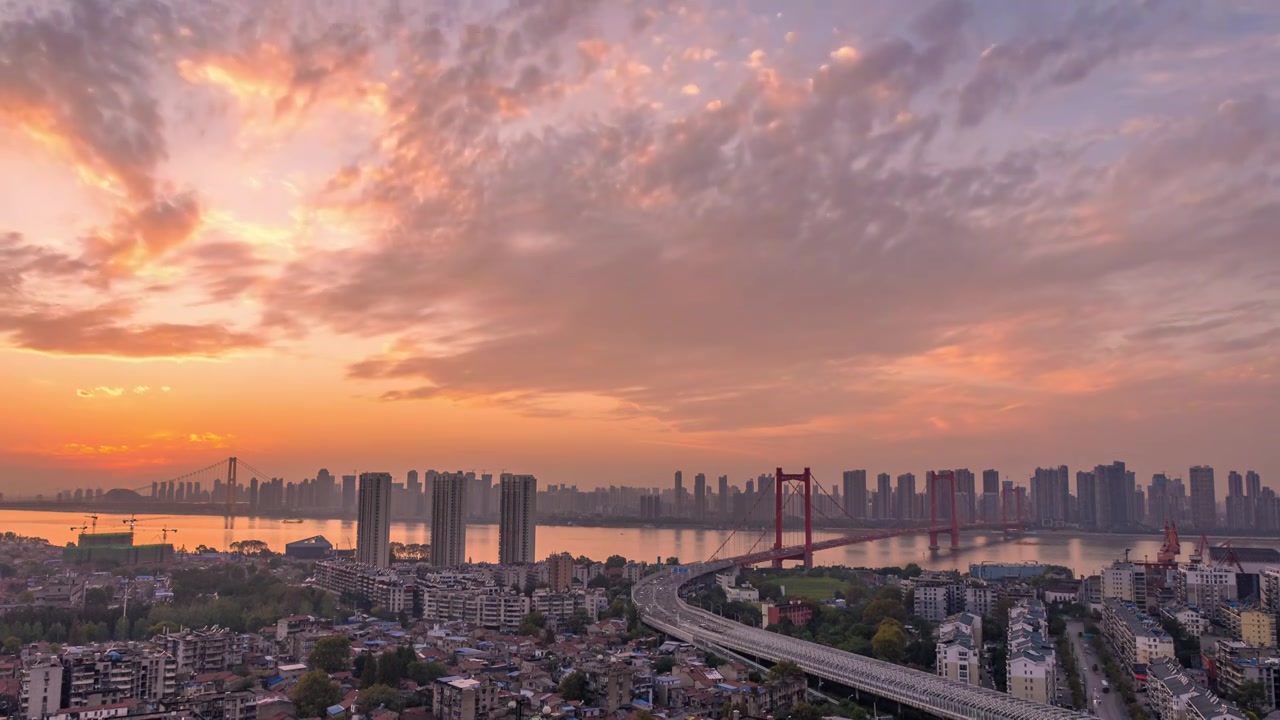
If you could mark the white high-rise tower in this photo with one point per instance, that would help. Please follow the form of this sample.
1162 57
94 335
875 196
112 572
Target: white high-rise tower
373 529
518 523
449 520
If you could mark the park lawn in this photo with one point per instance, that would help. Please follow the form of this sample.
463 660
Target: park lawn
815 588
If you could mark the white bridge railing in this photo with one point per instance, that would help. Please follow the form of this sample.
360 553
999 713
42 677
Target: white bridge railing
662 609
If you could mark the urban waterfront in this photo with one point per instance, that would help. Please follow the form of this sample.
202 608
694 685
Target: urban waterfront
1084 553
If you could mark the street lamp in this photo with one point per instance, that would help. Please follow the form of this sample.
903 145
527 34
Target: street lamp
518 705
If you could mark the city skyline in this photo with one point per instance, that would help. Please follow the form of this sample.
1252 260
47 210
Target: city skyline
599 241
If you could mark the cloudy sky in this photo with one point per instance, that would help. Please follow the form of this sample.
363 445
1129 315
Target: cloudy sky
599 241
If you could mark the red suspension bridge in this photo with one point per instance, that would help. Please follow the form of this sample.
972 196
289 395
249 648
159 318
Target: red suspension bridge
793 498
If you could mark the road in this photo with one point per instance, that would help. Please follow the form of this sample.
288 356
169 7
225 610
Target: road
1107 706
661 607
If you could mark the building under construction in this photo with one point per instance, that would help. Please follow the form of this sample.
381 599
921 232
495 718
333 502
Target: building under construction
116 548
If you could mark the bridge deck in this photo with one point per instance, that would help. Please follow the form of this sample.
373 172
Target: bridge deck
662 609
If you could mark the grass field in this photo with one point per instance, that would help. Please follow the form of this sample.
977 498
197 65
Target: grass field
816 588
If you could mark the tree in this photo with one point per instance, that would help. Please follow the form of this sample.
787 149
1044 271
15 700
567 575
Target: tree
877 610
315 692
911 570
712 660
672 561
890 641
785 670
250 547
578 622
391 668
122 628
890 592
332 654
379 695
664 665
425 673
615 561
532 623
806 711
855 592
369 673
573 686
12 645
1251 697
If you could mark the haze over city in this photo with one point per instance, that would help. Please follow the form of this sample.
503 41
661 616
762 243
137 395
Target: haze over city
598 242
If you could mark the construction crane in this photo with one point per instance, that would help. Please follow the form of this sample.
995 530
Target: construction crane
94 520
164 533
1171 548
1197 555
131 522
1204 553
1228 559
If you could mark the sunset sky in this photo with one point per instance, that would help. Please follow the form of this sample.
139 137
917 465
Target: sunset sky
600 241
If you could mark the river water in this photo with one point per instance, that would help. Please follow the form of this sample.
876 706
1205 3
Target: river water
1082 553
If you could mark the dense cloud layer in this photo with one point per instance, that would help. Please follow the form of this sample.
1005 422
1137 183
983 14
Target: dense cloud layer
940 223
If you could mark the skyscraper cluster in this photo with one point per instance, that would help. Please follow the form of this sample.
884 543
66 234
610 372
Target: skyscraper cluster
449 503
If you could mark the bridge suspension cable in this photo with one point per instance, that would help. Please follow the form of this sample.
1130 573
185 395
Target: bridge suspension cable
751 512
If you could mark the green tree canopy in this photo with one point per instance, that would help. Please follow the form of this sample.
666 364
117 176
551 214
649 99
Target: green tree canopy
332 654
315 692
1251 697
532 623
664 664
890 592
615 561
785 669
879 609
369 673
578 622
890 641
425 673
806 711
573 686
376 696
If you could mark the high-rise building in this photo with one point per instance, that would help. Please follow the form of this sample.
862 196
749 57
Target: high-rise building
517 526
1159 508
1239 509
449 520
966 495
560 572
855 493
990 495
1204 513
1087 500
325 496
348 493
678 500
1252 484
884 497
373 528
1114 496
722 496
906 496
700 495
1050 495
